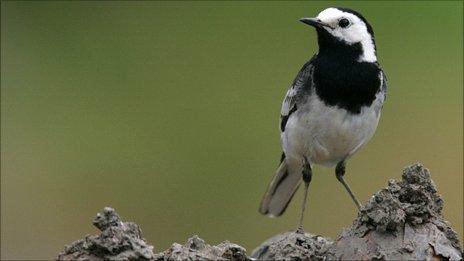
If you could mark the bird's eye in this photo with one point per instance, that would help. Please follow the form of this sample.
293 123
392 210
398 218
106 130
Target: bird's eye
343 22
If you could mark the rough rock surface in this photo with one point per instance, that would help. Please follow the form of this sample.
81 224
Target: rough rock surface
197 249
123 241
118 241
402 222
293 246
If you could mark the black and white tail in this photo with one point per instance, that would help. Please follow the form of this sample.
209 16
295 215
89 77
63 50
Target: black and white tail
281 189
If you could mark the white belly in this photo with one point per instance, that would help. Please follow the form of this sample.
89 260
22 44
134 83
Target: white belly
326 135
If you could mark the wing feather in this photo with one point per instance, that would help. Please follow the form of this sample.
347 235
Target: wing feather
384 83
302 84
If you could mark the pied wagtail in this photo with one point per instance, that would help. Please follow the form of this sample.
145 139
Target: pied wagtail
332 108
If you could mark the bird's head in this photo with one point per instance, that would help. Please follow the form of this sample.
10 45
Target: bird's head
344 28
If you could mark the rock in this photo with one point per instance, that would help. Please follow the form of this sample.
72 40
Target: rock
401 222
197 249
293 246
118 241
123 241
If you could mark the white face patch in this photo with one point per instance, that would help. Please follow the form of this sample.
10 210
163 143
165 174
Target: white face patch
355 32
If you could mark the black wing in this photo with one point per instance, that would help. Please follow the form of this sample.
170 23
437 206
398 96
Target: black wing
303 84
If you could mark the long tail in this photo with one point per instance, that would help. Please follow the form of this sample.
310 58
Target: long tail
281 190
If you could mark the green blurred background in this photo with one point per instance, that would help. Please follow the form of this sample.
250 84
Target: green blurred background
169 112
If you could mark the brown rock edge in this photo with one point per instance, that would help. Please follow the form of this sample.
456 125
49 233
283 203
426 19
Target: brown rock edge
400 222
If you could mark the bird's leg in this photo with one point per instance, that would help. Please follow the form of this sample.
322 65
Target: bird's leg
340 172
307 174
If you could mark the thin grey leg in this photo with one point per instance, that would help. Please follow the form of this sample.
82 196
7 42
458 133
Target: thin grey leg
339 173
307 175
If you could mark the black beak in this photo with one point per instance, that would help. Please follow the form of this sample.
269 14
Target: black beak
314 22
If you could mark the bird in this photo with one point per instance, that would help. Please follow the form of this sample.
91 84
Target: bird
331 109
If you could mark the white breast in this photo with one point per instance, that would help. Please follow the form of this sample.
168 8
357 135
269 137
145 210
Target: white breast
327 135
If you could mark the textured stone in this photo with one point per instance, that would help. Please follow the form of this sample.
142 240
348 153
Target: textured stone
401 222
196 249
293 246
118 241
